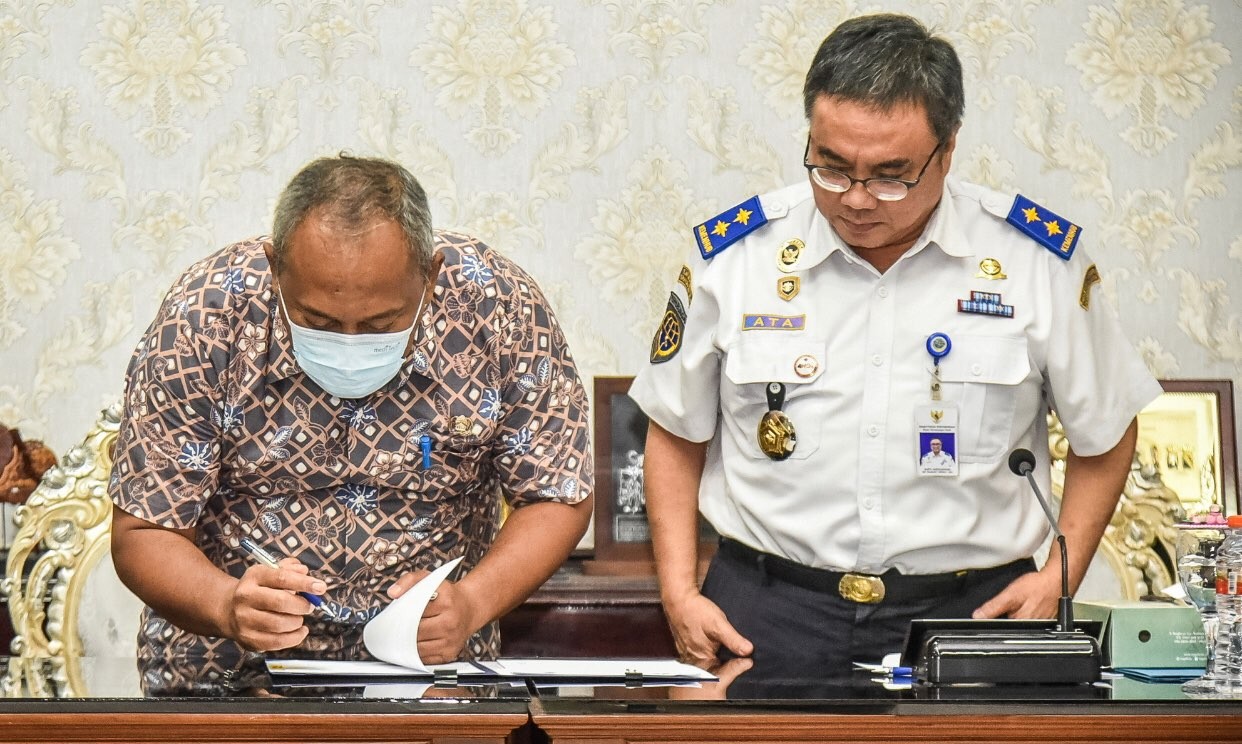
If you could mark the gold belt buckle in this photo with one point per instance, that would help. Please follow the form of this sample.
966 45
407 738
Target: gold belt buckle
861 588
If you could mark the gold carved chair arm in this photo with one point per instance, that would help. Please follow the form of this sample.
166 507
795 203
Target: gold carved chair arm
63 531
1137 546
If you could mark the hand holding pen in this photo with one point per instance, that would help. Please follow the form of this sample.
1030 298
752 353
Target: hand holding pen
269 560
264 614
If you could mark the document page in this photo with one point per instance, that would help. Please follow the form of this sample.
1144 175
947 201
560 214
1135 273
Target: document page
598 668
392 635
533 668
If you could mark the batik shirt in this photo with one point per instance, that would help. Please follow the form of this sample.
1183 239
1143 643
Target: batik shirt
224 433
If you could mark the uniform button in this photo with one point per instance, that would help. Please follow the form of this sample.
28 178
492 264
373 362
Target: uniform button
873 430
882 291
868 503
877 360
976 369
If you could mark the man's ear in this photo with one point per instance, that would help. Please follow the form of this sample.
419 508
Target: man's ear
949 148
429 283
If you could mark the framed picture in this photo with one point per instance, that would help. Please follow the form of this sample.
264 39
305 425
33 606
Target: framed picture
622 534
1187 439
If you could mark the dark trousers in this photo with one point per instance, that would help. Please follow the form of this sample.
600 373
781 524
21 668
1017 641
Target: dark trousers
802 634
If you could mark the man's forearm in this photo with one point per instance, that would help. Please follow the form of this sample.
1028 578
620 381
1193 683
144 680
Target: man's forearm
1092 487
672 470
167 571
533 542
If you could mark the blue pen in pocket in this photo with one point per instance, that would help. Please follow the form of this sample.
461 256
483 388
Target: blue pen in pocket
424 443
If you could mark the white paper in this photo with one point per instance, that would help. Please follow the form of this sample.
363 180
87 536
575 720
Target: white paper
396 690
609 668
1175 590
332 668
392 635
650 669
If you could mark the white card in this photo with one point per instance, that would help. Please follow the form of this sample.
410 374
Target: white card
936 440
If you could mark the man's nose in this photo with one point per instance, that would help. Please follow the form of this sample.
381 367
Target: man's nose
857 197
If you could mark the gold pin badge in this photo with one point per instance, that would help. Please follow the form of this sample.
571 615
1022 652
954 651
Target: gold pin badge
990 268
787 287
776 435
789 254
461 425
806 366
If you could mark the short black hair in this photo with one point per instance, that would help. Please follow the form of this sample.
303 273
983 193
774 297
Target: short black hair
886 60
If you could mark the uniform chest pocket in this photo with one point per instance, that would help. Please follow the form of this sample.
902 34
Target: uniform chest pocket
984 376
753 362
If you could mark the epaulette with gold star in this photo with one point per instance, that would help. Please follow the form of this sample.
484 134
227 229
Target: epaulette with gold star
730 226
1050 230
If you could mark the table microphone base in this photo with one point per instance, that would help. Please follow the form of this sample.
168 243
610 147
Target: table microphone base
999 657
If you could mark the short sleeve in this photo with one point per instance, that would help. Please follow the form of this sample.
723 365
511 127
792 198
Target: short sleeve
679 388
1096 381
167 461
542 448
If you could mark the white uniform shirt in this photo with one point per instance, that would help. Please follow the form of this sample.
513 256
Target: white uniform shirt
850 496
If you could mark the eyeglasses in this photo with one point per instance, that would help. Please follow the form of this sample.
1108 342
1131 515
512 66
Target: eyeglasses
884 189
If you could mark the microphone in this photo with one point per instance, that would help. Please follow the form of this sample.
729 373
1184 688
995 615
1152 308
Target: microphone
1007 651
1022 462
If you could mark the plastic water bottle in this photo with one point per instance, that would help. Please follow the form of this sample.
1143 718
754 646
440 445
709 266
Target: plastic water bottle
1229 611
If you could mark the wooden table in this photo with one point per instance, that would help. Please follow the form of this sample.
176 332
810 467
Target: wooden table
247 722
1166 723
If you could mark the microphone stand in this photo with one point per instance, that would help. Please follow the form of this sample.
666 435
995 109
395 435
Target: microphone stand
1008 651
1065 608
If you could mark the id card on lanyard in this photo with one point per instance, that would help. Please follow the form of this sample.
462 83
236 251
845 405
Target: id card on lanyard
935 425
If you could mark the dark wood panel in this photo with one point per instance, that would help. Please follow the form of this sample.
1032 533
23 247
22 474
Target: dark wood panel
576 615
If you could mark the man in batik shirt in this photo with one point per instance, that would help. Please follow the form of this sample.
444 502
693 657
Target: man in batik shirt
355 395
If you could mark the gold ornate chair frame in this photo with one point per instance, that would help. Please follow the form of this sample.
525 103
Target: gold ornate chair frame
1138 543
63 532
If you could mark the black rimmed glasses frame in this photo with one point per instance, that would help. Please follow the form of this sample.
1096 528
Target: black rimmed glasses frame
899 189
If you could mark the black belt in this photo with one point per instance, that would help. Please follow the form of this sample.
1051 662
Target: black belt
892 585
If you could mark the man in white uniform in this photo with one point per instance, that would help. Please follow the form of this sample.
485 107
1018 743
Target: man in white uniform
936 458
792 412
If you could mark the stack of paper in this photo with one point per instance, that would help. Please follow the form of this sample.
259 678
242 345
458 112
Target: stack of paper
392 637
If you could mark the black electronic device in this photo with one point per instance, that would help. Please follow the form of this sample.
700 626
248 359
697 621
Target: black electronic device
1008 651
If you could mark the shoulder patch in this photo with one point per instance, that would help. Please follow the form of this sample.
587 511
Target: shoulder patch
1089 280
686 282
730 226
667 341
1050 230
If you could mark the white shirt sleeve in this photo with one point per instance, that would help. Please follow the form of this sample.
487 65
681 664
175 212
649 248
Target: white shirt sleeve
681 393
1095 380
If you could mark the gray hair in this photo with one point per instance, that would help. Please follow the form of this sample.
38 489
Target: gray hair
355 192
885 60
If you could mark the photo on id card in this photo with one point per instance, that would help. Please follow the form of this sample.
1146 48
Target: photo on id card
936 428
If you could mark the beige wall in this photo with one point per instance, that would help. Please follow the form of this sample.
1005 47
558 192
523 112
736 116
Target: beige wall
582 137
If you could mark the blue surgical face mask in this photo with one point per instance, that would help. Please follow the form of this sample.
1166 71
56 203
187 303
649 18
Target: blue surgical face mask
350 365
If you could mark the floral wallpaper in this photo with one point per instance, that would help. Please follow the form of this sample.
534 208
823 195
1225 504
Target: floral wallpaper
583 138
